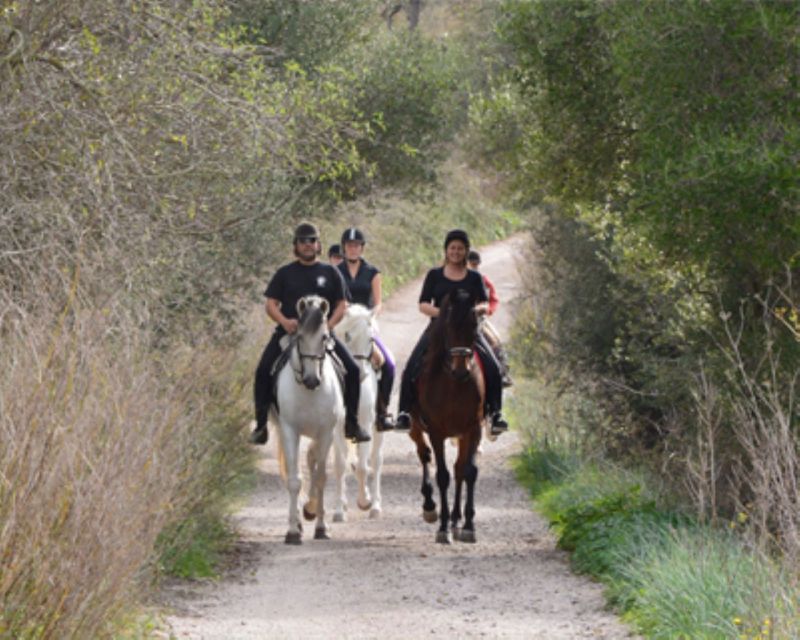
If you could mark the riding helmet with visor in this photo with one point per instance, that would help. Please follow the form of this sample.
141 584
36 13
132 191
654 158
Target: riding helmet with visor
335 251
306 231
353 234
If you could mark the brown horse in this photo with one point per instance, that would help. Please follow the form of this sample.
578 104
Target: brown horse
449 404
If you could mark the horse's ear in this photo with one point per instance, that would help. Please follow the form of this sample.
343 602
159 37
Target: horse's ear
301 307
325 307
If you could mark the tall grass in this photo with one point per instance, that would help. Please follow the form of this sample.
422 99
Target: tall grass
703 583
671 576
100 449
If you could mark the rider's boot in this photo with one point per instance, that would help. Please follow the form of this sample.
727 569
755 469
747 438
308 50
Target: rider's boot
385 422
260 434
353 430
403 421
499 425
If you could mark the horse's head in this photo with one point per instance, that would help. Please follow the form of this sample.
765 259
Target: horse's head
311 338
356 330
459 327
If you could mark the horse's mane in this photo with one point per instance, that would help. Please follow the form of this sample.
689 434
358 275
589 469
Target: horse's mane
455 311
312 319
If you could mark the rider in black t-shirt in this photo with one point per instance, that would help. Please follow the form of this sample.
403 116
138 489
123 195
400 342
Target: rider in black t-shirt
363 282
454 275
305 276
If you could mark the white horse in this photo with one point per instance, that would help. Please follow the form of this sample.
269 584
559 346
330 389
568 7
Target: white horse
356 330
309 403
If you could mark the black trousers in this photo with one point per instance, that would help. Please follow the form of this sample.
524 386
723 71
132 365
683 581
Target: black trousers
262 389
386 383
491 367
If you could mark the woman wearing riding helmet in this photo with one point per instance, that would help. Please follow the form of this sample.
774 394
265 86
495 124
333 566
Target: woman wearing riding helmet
440 282
363 281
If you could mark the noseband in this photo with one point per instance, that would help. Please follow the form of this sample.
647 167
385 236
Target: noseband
453 353
298 374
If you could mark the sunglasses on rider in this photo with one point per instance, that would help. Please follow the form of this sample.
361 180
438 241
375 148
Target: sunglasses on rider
306 240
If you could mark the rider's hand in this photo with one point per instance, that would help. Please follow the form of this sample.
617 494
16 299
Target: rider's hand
481 310
290 325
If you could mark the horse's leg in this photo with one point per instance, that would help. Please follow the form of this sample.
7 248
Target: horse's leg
471 476
310 507
340 469
424 453
376 462
291 445
458 468
443 481
321 447
364 500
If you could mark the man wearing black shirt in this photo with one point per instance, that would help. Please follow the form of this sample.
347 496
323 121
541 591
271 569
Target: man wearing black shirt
305 276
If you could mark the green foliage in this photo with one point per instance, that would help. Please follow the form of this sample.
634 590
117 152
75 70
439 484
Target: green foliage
307 32
706 584
156 159
193 547
661 137
415 89
682 116
670 576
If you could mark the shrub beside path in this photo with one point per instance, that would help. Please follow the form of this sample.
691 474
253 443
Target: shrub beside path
387 578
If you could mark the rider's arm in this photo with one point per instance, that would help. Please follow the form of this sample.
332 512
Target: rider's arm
482 308
428 309
274 312
425 297
337 314
376 294
494 301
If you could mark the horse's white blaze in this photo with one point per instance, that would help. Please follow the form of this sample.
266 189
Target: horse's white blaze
315 413
356 330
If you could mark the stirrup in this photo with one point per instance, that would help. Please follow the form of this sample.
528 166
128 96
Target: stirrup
385 423
403 421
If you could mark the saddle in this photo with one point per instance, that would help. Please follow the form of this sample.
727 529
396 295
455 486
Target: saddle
282 360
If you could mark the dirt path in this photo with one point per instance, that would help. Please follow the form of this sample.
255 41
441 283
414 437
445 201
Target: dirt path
387 578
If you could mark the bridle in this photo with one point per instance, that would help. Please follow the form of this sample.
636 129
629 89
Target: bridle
316 357
453 354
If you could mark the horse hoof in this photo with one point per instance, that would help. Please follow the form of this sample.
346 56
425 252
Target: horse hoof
321 534
430 516
365 506
443 537
467 535
456 531
293 537
338 517
375 513
308 515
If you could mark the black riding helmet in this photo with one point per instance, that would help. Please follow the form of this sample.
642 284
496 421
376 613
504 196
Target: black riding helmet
306 230
456 234
335 251
353 235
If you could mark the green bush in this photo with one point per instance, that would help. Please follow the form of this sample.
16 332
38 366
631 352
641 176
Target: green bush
672 577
